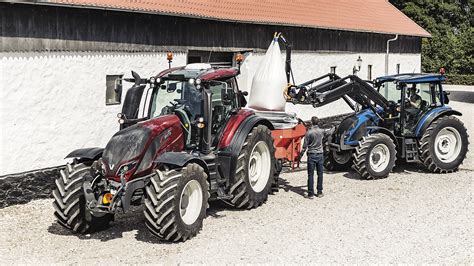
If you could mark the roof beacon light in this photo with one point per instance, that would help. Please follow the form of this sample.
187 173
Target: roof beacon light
239 58
169 57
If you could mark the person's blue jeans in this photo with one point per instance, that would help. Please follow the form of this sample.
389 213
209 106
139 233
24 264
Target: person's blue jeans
315 162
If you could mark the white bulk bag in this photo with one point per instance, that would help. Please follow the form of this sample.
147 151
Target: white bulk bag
269 82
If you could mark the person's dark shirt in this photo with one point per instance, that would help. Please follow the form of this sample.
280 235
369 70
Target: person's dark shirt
313 140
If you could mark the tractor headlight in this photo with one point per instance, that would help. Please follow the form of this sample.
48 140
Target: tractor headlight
126 167
198 81
191 81
152 80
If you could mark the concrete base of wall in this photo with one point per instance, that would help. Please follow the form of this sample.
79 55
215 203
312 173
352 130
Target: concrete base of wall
24 187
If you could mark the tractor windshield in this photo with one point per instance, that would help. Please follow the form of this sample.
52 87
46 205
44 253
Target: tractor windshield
389 91
172 94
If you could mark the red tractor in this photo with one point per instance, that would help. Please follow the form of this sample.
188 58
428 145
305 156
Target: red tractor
187 142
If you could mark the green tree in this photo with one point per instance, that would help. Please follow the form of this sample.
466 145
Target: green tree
451 25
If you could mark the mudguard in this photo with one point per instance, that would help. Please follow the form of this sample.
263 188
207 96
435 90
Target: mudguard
227 157
180 159
377 129
431 116
86 153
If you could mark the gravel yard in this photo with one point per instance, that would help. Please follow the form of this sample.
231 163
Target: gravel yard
410 217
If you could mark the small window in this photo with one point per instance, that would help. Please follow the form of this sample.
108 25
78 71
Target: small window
113 93
398 68
333 70
369 72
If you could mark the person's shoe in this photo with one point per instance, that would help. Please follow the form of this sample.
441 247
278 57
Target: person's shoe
320 194
311 196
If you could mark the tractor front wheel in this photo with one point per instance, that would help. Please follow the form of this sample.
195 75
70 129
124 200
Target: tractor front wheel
70 203
375 156
337 160
176 202
444 145
255 170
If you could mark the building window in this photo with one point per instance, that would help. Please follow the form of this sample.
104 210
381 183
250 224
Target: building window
113 93
223 59
369 72
398 68
333 70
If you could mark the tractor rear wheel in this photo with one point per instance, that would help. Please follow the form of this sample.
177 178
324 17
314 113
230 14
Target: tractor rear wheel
70 203
444 145
375 156
176 202
255 170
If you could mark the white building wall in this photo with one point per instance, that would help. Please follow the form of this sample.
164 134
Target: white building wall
53 103
307 66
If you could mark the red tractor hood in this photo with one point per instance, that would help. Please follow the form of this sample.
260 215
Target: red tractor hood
133 149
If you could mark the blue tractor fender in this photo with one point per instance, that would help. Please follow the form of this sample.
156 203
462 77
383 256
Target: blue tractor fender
377 129
433 115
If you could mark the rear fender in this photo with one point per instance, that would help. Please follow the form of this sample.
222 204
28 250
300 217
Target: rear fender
227 156
86 153
433 115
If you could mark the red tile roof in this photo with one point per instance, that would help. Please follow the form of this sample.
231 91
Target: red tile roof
354 15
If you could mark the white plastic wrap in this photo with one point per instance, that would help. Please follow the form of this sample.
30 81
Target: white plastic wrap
269 82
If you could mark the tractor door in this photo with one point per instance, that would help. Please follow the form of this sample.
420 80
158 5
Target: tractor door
420 98
224 100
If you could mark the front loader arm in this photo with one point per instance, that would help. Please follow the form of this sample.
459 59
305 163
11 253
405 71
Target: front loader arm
349 87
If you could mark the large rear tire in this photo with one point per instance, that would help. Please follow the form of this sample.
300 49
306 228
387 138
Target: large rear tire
176 202
444 145
255 170
70 204
375 156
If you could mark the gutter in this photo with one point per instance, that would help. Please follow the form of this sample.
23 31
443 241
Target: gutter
388 51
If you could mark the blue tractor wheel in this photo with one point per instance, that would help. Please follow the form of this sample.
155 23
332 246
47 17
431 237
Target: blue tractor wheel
375 156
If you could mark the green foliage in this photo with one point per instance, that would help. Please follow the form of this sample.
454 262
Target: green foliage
451 25
458 79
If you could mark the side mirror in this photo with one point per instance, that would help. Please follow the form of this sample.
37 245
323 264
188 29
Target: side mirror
445 97
226 94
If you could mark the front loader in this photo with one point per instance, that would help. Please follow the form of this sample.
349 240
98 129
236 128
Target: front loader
184 140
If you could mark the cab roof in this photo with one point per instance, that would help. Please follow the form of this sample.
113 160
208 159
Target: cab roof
205 72
412 78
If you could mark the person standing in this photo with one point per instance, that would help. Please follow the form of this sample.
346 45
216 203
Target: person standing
313 143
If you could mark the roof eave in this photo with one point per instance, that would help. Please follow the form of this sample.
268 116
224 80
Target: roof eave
141 11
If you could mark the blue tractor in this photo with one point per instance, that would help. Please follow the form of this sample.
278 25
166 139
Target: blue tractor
402 116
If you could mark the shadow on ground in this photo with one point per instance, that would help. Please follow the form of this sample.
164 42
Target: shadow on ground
134 220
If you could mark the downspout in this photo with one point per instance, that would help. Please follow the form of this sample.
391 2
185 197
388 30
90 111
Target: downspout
388 51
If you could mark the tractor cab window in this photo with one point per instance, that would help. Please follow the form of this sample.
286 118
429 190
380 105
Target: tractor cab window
172 96
389 91
223 101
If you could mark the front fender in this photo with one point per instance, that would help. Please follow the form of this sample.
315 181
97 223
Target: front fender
431 116
180 159
86 153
